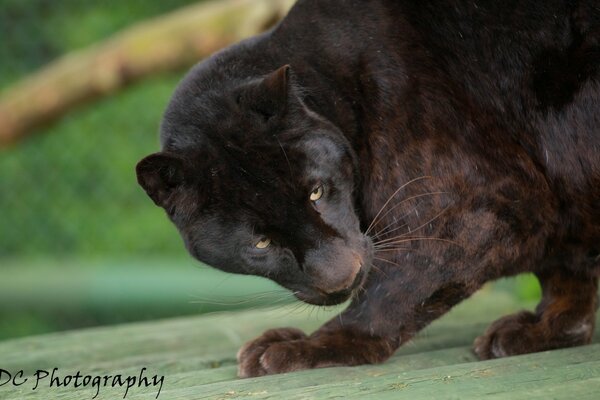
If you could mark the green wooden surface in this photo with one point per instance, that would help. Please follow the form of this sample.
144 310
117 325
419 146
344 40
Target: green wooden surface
197 357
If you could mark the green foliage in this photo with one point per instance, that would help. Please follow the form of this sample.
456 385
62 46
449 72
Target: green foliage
72 189
525 287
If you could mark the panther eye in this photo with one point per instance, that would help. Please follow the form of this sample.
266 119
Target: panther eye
317 193
263 243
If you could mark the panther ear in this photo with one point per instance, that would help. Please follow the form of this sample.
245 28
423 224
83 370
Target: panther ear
269 96
160 174
276 84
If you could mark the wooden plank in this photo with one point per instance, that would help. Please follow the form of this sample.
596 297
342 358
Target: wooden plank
197 357
472 380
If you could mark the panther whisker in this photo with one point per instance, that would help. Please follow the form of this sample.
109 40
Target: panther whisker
376 268
285 154
380 232
416 229
379 236
255 295
375 219
281 296
387 261
357 292
387 231
296 308
407 240
392 249
396 228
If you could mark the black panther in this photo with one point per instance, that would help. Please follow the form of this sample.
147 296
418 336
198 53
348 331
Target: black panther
396 154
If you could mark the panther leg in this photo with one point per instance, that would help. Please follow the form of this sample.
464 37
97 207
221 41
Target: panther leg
564 318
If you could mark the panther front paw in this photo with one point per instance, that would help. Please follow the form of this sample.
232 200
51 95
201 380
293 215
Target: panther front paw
275 351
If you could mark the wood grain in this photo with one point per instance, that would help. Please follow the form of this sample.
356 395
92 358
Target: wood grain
197 357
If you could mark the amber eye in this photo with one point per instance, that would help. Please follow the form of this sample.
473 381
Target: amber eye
263 243
317 193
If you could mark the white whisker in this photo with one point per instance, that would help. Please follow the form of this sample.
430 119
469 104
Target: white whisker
411 239
387 261
381 231
375 219
273 297
383 250
416 229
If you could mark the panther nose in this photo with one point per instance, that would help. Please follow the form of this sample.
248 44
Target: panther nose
343 275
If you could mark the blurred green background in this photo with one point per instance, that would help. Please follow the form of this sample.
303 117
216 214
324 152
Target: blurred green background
80 243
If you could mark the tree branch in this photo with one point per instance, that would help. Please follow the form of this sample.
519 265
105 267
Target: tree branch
166 43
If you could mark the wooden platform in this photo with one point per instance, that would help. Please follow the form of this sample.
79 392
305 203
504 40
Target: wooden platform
197 358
